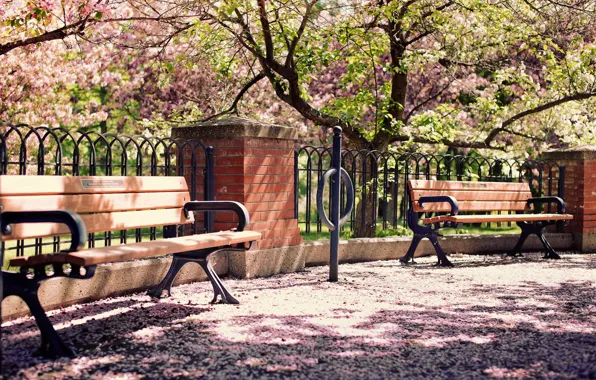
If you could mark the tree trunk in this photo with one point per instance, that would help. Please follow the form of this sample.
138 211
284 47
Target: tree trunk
367 208
365 223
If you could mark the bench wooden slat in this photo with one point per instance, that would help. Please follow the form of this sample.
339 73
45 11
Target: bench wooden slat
435 219
31 260
141 250
460 185
512 218
466 195
497 218
44 185
86 203
473 206
104 222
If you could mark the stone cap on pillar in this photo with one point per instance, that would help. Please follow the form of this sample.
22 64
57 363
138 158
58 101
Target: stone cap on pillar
583 152
234 127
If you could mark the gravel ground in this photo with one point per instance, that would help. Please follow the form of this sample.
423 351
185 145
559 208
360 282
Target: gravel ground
489 317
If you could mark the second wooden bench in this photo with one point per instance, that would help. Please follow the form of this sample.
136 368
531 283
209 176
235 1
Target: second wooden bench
449 198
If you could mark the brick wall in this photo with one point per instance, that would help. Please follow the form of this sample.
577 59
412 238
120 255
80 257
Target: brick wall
259 172
254 165
580 193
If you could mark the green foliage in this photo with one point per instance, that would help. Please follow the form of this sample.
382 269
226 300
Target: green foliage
398 231
404 231
430 72
437 125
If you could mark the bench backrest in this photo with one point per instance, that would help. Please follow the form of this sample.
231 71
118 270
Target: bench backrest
471 196
105 203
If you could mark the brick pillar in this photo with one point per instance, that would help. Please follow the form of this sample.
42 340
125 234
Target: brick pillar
580 193
254 165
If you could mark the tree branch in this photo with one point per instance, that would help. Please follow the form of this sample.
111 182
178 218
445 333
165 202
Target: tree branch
282 29
266 30
295 100
243 90
449 143
147 18
400 16
79 26
486 144
56 34
426 101
426 15
419 37
249 43
495 132
292 48
266 63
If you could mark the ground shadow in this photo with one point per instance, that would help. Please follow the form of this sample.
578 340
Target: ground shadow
512 338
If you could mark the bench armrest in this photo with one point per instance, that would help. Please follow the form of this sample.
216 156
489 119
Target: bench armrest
238 208
550 199
72 220
441 199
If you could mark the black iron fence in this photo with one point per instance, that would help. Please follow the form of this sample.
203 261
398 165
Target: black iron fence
380 180
27 150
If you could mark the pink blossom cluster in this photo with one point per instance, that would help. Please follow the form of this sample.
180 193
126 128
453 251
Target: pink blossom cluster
57 83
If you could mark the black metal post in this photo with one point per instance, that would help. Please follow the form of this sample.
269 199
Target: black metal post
335 198
209 185
335 175
296 188
561 191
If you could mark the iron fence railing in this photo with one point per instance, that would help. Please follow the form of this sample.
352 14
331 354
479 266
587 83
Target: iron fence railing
380 181
27 150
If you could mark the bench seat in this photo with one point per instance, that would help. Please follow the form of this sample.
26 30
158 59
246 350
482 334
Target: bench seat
118 253
496 218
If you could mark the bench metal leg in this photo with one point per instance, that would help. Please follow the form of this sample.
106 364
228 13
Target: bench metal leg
443 260
200 257
421 232
442 257
218 286
16 284
409 256
520 242
538 230
166 284
550 252
51 343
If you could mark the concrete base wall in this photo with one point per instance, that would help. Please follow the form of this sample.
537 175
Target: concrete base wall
359 250
584 242
120 278
110 280
267 262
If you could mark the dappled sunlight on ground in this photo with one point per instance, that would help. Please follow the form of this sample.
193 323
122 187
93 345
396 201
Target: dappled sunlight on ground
488 317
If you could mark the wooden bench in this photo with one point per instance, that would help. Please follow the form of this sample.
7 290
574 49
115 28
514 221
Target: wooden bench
449 198
41 206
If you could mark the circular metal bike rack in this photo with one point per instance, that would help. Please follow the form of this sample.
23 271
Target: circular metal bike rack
335 176
345 178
